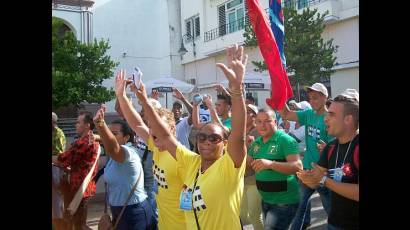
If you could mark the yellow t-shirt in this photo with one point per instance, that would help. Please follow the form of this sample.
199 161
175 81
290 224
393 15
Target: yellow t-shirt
169 181
218 192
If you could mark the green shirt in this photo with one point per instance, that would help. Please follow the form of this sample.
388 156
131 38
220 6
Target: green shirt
58 141
227 123
276 187
315 129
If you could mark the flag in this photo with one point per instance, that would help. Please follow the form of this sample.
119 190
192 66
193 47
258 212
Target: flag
280 86
277 26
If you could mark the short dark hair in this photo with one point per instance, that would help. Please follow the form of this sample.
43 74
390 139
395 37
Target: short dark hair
125 129
224 97
250 98
350 107
177 103
88 118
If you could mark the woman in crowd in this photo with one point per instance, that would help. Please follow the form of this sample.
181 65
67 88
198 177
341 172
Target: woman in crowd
213 179
121 173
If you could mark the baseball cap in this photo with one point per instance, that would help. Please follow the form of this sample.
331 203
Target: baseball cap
253 108
54 117
319 87
154 103
350 93
177 103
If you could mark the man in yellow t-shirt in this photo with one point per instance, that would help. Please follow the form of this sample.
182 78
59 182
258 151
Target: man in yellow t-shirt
218 191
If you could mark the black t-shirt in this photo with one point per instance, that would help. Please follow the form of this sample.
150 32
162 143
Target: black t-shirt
344 212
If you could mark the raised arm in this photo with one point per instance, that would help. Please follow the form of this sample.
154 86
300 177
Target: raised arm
288 114
159 130
112 148
235 72
195 116
177 94
220 89
133 117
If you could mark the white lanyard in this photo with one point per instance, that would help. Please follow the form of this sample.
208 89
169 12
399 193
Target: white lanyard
337 153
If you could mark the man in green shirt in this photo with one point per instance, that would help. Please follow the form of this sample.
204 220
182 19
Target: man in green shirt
316 138
223 109
275 159
58 138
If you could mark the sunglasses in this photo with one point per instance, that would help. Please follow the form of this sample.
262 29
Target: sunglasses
213 138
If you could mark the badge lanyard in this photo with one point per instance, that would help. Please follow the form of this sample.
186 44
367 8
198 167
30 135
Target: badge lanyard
338 172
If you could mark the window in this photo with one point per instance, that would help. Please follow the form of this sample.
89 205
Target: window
192 28
231 17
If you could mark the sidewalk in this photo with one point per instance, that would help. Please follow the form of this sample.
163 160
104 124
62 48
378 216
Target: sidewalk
318 215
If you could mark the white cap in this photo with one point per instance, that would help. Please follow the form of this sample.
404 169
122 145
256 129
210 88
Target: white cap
350 93
54 117
253 108
319 87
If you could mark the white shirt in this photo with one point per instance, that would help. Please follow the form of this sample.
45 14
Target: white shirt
183 129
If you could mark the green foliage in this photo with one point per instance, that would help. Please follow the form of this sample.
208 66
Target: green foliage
78 69
307 54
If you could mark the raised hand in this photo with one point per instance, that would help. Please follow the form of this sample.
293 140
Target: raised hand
219 88
140 93
207 100
235 70
154 94
177 94
99 116
121 83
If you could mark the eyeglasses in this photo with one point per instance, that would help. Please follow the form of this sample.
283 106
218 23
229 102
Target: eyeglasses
213 138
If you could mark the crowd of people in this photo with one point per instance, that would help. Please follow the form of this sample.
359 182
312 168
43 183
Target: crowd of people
221 165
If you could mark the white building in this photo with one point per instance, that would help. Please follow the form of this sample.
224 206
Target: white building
76 16
216 24
144 34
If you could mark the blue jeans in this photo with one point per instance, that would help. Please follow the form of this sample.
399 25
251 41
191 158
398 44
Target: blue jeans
135 217
303 213
278 216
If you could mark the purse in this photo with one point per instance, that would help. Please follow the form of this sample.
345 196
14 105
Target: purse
105 222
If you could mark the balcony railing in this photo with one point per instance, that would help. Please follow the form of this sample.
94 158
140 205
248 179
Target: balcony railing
300 4
226 29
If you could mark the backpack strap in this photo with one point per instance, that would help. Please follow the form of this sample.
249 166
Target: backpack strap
330 151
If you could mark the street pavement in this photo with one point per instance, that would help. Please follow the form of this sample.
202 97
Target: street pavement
318 214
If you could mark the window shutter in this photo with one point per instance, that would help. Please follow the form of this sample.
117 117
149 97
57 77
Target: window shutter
222 20
188 29
197 27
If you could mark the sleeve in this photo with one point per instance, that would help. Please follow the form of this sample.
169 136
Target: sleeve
185 158
60 145
302 115
65 157
228 170
323 162
127 154
186 127
289 146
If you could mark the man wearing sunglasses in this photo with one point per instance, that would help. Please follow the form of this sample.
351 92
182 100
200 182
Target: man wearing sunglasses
274 156
338 167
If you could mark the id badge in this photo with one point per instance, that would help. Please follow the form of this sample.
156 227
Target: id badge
185 200
338 174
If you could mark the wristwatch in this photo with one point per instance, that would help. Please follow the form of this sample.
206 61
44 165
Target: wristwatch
322 181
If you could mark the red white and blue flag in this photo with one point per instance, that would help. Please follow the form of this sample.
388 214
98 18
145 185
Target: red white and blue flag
277 26
280 86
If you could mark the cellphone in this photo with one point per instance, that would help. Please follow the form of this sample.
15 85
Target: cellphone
197 98
136 77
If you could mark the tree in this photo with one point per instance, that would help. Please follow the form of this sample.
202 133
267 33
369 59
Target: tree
308 56
78 69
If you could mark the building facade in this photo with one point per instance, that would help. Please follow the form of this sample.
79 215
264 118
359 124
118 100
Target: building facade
210 26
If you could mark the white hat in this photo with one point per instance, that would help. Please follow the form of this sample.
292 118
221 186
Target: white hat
319 87
154 103
350 93
253 108
303 105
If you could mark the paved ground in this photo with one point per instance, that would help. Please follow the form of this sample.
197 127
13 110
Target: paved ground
318 215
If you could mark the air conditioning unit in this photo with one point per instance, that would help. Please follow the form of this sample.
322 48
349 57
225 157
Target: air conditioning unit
192 81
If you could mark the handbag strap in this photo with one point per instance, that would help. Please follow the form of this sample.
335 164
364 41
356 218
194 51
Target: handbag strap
196 217
128 199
